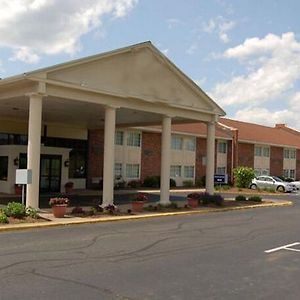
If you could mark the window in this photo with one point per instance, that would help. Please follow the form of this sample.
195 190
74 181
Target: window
133 171
118 170
289 173
77 164
3 167
266 152
289 153
119 136
189 171
221 170
133 139
259 172
222 147
190 144
176 142
175 171
262 151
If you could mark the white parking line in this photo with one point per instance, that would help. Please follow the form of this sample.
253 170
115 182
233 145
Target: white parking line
285 247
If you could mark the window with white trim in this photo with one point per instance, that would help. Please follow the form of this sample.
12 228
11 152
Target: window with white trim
119 137
133 171
189 171
289 153
133 139
190 144
176 142
262 151
289 173
175 171
222 147
118 170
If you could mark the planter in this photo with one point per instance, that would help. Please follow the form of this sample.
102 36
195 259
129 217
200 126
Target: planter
137 206
193 202
59 211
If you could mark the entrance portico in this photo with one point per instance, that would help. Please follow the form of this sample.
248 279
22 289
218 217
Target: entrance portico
133 86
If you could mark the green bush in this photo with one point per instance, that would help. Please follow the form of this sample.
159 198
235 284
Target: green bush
3 218
187 183
240 198
32 212
243 176
134 184
200 182
255 199
206 199
15 210
152 181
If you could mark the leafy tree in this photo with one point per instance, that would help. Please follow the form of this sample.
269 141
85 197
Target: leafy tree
243 176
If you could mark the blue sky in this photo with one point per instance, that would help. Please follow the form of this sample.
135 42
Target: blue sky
244 54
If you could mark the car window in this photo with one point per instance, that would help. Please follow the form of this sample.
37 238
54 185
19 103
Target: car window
269 179
261 178
277 179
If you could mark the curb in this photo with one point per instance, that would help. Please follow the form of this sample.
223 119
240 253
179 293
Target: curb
15 227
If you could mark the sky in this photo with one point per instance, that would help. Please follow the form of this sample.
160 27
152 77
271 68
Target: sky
244 54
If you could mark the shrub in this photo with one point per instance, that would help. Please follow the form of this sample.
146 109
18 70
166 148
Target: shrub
15 210
255 199
110 208
217 200
32 212
200 182
195 195
77 210
59 201
240 198
187 183
172 183
206 199
152 181
3 217
243 176
134 184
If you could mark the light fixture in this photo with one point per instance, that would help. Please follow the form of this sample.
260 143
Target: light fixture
16 161
66 163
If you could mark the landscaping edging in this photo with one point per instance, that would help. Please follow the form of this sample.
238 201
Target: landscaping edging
67 221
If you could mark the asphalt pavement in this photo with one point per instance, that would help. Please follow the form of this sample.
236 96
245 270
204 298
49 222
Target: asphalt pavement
213 256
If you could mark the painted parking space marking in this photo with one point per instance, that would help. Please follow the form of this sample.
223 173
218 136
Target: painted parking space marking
285 247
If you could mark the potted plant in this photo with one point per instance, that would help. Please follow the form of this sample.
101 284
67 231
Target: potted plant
138 202
69 187
193 199
59 206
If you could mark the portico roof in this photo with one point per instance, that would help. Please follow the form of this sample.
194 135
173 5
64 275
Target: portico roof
139 80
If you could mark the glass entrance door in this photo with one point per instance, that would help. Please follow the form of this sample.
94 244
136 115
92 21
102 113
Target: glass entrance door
50 176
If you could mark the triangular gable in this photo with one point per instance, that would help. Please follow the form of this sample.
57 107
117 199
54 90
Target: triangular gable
137 71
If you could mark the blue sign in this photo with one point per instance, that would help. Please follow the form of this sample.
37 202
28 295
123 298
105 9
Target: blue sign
220 179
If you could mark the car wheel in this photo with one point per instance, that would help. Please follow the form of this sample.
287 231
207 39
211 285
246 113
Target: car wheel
253 186
281 189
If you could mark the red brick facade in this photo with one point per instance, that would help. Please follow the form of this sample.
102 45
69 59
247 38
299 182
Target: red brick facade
151 149
246 155
200 157
276 161
95 155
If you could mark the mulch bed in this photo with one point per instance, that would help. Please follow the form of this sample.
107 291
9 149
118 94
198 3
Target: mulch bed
12 220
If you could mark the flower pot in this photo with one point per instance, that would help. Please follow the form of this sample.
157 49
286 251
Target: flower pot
59 211
192 202
137 206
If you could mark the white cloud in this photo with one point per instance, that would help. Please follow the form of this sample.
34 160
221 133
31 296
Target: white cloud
173 22
267 117
34 27
220 26
272 68
192 49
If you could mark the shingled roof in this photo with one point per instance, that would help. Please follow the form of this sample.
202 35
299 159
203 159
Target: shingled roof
279 135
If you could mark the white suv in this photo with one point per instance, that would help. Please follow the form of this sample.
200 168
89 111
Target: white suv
272 182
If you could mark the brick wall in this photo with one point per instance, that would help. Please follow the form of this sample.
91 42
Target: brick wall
246 155
200 154
151 152
95 155
276 161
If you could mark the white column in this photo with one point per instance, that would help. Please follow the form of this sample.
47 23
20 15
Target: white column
210 158
109 156
165 160
34 149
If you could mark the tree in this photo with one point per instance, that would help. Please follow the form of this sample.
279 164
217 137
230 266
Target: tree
243 176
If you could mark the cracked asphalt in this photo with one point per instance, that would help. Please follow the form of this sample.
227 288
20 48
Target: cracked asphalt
213 256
